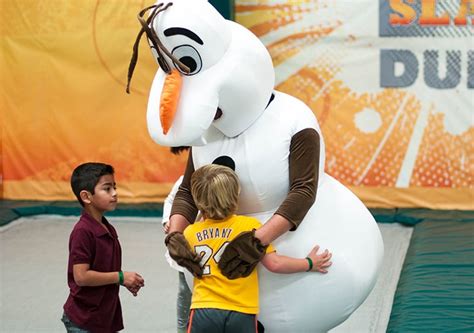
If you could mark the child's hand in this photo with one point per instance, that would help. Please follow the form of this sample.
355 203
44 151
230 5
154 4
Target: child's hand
134 291
133 282
166 227
320 261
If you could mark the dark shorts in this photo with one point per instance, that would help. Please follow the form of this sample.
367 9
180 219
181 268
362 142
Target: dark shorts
218 321
71 327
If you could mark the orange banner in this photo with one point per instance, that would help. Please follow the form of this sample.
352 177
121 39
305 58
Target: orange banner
64 68
394 100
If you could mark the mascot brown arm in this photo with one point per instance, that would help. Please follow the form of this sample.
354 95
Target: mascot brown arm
303 174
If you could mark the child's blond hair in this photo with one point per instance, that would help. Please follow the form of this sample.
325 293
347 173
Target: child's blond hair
215 189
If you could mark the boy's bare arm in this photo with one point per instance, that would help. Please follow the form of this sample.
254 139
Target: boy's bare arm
282 264
83 276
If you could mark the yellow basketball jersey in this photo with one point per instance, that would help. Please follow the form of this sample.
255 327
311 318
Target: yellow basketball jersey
209 238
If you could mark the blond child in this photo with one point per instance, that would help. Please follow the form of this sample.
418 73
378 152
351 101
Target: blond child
220 304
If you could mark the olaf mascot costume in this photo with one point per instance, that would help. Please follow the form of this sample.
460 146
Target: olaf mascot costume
227 106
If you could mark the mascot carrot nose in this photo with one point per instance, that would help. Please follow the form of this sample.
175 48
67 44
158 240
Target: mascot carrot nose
169 99
172 84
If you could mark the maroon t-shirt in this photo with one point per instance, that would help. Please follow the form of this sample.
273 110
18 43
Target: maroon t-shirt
96 309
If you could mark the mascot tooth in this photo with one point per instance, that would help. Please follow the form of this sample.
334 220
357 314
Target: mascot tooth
227 107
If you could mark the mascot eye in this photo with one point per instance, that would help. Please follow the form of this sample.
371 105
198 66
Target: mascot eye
189 56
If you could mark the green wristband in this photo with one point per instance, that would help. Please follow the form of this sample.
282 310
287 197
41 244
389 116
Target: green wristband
310 262
120 278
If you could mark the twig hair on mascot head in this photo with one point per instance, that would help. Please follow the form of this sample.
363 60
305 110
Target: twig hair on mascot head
214 91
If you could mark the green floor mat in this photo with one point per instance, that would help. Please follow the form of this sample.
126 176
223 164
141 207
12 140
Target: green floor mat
13 209
435 292
436 287
413 216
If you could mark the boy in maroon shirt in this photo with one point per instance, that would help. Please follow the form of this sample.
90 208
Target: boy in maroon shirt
95 256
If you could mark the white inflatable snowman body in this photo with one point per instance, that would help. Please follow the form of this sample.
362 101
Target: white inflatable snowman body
231 70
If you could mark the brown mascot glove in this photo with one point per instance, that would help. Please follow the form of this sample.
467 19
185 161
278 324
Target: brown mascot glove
182 253
242 255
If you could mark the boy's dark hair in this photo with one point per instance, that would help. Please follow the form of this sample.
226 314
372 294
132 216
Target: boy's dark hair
87 175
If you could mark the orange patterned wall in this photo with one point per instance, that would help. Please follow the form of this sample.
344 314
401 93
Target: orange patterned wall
390 145
63 102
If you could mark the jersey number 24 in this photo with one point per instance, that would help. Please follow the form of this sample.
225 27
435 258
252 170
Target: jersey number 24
206 253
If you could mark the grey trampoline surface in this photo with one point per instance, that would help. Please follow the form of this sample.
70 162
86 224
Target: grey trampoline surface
33 285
